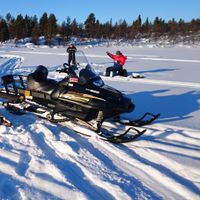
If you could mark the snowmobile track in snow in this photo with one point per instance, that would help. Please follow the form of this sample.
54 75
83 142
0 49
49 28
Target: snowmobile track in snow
133 156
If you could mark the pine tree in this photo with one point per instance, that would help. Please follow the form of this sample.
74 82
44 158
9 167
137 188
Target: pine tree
172 24
81 30
74 27
4 32
182 27
10 22
90 25
68 28
98 29
43 24
195 25
107 30
63 32
51 28
123 29
146 27
136 27
35 33
35 30
19 27
159 26
27 26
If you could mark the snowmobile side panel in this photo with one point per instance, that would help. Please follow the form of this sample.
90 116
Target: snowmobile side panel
8 96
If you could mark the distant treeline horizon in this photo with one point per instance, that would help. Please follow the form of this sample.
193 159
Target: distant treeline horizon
20 27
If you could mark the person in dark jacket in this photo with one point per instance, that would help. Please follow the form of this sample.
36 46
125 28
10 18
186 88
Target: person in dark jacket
119 61
71 50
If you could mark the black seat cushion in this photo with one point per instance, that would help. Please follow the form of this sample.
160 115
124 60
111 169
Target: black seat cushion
47 86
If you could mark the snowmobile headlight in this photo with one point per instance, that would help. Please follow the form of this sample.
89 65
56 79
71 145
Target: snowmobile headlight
98 83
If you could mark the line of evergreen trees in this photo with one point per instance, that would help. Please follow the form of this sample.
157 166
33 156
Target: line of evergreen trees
22 27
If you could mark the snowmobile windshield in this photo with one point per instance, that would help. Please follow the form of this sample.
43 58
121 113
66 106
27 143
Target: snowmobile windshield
89 76
81 59
81 62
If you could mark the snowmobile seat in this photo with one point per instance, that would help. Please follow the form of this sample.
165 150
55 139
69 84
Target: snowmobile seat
47 86
38 81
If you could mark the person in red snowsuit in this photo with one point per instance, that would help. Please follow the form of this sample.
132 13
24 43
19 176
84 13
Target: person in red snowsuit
119 61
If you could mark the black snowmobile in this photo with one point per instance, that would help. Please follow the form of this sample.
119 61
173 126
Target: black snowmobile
82 98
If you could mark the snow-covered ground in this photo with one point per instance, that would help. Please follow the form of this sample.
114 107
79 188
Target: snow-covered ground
41 160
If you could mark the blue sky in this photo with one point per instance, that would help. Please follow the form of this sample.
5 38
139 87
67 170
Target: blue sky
104 10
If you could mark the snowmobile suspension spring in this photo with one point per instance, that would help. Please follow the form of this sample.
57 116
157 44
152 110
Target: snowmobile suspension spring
100 116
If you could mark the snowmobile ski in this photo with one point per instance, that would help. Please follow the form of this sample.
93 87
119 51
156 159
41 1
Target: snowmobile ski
125 137
117 139
139 122
103 134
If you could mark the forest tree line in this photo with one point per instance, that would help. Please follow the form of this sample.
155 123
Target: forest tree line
47 26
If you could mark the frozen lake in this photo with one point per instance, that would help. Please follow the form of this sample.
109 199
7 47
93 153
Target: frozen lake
43 160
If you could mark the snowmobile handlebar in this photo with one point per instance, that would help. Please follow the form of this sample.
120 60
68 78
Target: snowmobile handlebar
63 70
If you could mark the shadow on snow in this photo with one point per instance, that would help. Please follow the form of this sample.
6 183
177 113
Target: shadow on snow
172 107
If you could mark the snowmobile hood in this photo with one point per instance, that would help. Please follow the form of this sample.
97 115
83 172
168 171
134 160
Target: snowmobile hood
118 102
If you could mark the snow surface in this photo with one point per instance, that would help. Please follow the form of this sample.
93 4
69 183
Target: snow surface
41 160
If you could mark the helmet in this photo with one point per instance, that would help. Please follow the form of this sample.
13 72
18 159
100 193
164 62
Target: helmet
118 53
41 73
